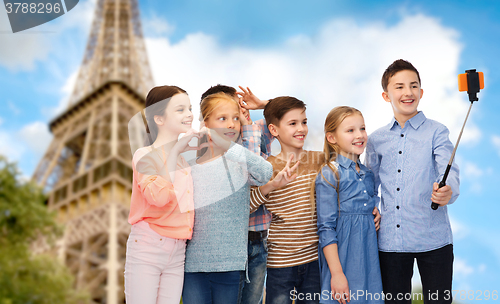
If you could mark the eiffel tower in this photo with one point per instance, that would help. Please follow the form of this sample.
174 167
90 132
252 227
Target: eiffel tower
87 168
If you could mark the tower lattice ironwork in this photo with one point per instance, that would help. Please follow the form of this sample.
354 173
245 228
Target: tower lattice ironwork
87 167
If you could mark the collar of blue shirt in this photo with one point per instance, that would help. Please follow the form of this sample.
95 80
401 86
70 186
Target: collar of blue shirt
416 121
347 162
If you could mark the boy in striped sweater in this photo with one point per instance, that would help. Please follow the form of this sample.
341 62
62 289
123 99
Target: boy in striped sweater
292 263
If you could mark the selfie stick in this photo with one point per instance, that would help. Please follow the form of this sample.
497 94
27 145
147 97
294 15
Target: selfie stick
471 82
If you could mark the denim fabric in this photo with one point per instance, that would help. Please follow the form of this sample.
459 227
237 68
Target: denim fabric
299 283
257 258
212 287
436 271
154 267
351 227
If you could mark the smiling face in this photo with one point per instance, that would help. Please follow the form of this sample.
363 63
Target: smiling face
404 93
350 136
225 119
178 116
292 129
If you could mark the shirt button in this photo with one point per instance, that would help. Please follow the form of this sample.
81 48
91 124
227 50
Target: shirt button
364 204
400 152
397 189
402 135
397 207
360 179
364 191
399 170
397 225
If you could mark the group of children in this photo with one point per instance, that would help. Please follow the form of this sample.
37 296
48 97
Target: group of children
211 230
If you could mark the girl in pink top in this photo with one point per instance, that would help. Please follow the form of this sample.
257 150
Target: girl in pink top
161 208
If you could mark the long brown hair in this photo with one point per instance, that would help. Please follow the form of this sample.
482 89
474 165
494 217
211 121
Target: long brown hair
332 122
156 103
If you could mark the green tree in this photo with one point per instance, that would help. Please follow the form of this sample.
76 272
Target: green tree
25 277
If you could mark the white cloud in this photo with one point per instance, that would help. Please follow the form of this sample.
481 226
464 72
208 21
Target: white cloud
472 171
460 230
156 26
461 269
341 65
10 147
15 110
482 268
30 141
36 136
495 140
20 51
473 174
65 92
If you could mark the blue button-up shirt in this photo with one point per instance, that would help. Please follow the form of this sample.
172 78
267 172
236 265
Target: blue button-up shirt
406 162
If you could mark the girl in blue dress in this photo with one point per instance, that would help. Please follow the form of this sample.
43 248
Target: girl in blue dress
345 198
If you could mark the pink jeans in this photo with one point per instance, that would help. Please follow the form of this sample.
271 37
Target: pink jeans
154 267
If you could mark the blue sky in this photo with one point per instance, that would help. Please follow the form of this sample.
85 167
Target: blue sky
325 52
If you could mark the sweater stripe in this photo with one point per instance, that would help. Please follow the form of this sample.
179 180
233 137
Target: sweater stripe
293 238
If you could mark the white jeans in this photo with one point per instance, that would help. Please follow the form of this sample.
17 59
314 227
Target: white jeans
154 267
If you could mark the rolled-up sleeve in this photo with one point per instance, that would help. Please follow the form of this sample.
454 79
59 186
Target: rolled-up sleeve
327 208
155 189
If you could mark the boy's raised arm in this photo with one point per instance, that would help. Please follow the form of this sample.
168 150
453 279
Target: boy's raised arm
249 101
442 150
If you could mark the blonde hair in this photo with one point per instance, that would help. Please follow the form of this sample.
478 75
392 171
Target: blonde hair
332 122
208 106
211 102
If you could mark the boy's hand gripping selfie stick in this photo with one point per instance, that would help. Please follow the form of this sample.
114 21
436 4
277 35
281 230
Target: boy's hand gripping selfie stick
471 82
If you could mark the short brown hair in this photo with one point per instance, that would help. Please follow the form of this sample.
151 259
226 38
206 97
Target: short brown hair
277 107
397 66
218 89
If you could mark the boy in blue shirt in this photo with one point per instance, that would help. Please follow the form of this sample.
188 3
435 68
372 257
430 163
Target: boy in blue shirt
409 157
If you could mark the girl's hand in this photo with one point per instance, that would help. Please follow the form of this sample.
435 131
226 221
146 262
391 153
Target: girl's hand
340 288
249 101
285 176
182 144
216 138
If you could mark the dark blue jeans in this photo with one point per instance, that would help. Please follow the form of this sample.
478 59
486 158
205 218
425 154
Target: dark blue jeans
212 287
436 271
257 259
300 283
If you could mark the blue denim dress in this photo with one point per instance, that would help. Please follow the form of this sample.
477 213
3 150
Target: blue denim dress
352 229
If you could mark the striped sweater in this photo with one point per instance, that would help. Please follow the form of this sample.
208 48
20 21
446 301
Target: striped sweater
293 238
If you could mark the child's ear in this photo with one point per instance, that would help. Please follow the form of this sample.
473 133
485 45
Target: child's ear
386 96
273 130
158 120
421 93
330 137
